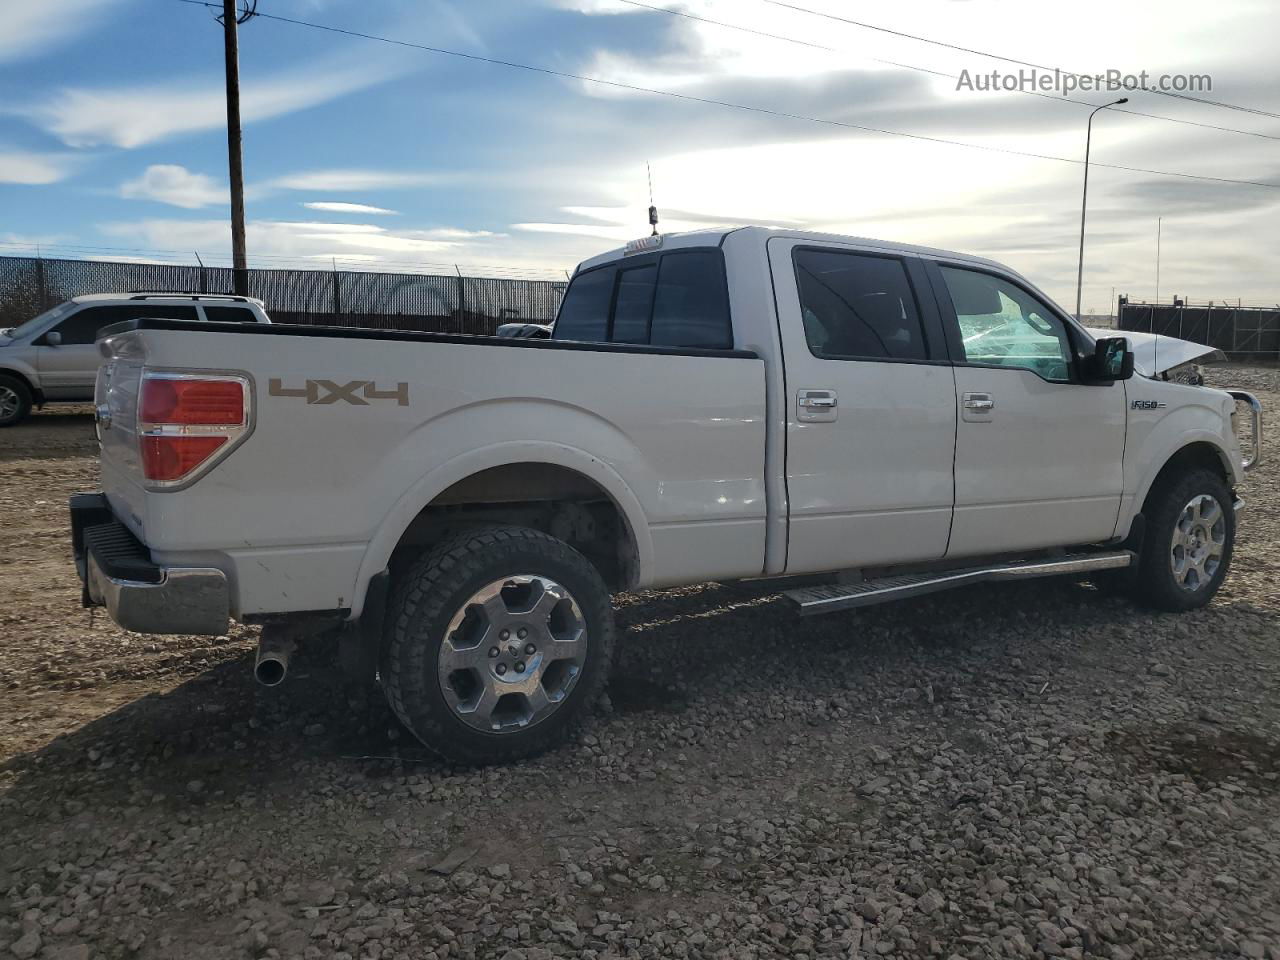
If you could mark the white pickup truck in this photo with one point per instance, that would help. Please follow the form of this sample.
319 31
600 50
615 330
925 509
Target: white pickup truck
874 420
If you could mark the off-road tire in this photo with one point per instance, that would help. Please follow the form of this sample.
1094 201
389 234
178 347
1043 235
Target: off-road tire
14 387
1155 583
428 595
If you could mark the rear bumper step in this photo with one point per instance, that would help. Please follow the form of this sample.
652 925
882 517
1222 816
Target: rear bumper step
843 596
117 573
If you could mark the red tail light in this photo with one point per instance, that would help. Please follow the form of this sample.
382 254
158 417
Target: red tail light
195 402
187 422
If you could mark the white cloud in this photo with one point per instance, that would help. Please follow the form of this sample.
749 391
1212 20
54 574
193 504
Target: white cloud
337 206
300 239
18 166
176 186
133 116
354 179
30 29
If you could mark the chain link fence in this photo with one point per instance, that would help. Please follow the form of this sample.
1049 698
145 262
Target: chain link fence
388 301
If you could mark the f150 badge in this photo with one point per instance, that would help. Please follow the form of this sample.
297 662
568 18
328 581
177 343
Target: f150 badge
1147 404
357 392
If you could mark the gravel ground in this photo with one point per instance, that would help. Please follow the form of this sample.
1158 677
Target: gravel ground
1016 770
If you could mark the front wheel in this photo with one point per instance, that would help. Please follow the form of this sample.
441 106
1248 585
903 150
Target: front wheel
1186 550
497 642
15 400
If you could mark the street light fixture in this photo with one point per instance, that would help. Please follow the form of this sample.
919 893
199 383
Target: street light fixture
1085 197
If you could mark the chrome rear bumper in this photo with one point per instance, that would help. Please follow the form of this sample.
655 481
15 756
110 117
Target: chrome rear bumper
117 572
186 600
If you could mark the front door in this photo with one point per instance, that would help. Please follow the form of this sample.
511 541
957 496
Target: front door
69 369
1039 455
871 415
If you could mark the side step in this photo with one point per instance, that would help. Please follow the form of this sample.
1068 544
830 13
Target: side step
843 596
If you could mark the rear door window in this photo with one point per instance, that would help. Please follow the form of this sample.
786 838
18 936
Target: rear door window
858 306
230 314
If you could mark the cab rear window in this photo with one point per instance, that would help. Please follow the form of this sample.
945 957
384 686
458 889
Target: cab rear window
676 299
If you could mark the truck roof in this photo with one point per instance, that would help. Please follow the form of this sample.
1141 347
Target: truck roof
713 237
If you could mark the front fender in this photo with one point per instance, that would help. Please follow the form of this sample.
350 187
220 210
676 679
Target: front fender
526 429
20 368
1200 416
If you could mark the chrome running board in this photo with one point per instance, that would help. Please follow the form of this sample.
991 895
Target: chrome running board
843 596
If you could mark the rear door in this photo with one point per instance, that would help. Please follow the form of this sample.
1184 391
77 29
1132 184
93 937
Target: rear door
1039 455
871 415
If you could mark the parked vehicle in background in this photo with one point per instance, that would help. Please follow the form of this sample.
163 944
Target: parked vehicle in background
881 419
536 331
54 358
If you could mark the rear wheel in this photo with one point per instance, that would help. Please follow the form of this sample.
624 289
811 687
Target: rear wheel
1186 551
15 400
496 643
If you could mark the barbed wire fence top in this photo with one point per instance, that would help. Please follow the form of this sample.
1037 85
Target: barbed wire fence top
439 303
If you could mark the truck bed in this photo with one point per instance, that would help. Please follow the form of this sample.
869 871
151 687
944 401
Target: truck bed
355 431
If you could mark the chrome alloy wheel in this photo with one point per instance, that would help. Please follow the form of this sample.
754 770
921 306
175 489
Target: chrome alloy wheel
9 402
512 653
1199 540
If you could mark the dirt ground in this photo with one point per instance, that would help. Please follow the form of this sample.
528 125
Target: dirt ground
1015 770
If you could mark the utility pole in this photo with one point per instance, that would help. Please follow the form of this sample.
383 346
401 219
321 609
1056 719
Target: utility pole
235 164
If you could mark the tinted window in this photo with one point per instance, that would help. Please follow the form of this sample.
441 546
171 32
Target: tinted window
691 307
633 304
83 327
230 314
584 314
857 306
1003 325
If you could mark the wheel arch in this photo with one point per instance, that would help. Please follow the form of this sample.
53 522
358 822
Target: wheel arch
1202 453
559 489
28 378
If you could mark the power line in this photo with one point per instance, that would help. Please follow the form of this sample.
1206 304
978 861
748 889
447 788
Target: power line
937 73
1021 63
747 108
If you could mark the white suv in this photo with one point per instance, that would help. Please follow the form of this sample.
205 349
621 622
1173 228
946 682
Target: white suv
53 357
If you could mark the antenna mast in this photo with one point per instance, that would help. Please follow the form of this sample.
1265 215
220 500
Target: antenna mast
653 211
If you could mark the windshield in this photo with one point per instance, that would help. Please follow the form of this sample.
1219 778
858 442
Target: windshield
22 329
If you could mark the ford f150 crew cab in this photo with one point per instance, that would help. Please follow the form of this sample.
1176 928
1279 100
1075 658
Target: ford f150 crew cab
53 357
874 420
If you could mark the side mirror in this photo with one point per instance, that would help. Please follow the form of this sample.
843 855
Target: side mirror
1112 360
53 339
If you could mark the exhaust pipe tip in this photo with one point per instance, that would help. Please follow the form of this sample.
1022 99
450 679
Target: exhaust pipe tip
270 670
275 647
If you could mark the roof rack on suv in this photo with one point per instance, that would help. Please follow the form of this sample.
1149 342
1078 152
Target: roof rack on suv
193 296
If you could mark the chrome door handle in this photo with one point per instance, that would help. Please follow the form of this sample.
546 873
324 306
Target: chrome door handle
817 405
980 402
818 400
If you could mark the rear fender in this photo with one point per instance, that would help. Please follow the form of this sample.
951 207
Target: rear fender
490 419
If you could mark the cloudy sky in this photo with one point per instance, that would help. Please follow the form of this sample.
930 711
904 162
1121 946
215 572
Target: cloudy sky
112 133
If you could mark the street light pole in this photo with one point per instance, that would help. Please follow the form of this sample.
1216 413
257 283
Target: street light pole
1084 199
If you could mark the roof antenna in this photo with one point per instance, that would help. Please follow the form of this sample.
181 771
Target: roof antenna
653 211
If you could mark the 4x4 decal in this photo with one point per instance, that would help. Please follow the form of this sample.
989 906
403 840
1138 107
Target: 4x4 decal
358 392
